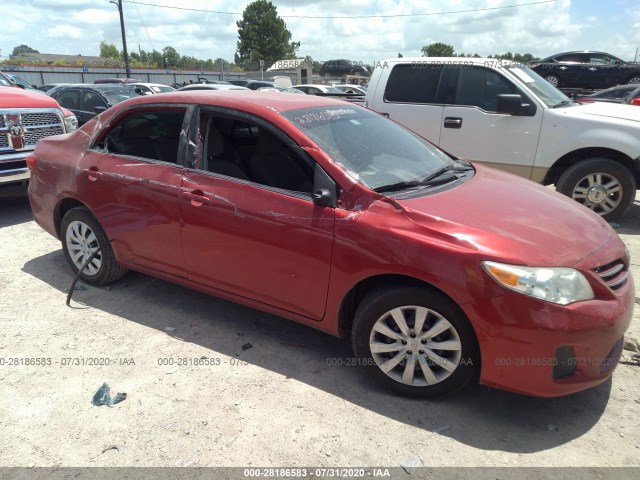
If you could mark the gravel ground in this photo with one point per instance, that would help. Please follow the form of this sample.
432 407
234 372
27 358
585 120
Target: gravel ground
264 392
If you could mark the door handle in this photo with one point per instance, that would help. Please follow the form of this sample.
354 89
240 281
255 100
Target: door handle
452 122
196 199
92 173
563 68
592 69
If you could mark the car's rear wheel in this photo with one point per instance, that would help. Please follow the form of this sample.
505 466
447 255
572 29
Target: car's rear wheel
414 341
603 185
81 236
553 80
633 80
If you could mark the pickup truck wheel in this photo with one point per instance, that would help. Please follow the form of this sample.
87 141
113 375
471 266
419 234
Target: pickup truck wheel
81 235
414 341
604 186
553 80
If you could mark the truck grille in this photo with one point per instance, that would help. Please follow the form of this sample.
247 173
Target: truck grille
614 274
35 125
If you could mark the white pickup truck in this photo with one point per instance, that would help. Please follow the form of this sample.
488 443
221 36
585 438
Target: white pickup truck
505 115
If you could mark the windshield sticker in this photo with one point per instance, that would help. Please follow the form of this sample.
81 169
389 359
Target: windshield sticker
324 116
522 75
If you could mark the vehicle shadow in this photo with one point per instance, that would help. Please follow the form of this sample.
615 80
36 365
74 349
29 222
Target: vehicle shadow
477 416
630 223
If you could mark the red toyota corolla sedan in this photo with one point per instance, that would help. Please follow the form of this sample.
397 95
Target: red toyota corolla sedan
440 271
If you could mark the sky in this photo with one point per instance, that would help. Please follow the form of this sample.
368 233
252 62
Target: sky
368 31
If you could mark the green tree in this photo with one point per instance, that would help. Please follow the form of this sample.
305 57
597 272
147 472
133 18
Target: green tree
263 35
171 57
438 50
22 49
108 50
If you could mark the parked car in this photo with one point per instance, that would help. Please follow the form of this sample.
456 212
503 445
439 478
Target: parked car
338 68
86 100
586 69
210 86
333 216
506 115
252 84
151 88
48 86
313 89
116 80
281 89
19 81
25 118
629 94
352 89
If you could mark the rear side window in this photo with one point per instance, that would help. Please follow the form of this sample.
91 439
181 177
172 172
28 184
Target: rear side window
413 83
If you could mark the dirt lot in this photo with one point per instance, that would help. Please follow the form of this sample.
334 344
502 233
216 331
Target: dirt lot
278 403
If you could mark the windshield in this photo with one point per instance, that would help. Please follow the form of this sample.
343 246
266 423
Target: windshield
118 95
546 92
332 90
372 149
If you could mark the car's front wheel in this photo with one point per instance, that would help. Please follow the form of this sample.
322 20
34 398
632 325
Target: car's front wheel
414 341
603 185
633 80
81 236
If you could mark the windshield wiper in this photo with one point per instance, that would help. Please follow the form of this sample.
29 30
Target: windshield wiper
397 186
563 102
430 180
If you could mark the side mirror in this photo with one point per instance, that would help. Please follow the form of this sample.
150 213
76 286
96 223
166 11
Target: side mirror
99 109
324 189
510 104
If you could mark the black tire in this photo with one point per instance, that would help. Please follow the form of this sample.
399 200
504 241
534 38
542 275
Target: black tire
553 80
633 80
75 233
461 357
601 184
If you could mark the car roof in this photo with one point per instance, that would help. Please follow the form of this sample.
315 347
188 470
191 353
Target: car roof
577 52
252 101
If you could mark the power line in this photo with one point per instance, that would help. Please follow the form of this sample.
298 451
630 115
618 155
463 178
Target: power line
473 10
145 27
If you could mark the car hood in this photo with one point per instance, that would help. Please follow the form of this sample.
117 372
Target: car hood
15 97
507 218
606 109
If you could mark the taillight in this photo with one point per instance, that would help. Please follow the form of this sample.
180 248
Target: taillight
584 100
31 161
635 101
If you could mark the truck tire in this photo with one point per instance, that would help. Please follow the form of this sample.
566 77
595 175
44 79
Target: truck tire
601 184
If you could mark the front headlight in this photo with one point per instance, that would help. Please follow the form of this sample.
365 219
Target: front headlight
553 284
71 123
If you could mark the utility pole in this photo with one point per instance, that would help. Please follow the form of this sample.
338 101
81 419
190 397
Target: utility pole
118 3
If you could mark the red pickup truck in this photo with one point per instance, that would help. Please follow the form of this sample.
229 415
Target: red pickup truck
25 118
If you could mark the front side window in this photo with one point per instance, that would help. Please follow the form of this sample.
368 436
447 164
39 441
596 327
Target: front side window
90 100
480 87
249 151
413 83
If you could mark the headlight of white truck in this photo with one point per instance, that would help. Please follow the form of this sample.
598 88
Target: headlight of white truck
559 285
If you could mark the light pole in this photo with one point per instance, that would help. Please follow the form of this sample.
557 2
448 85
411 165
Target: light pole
118 3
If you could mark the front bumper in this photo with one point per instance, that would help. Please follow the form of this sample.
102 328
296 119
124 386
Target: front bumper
538 348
